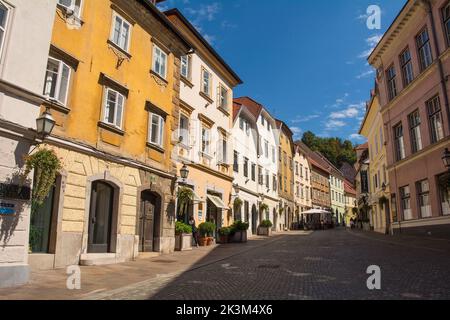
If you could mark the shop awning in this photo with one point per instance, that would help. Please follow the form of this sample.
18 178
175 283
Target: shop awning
217 202
197 199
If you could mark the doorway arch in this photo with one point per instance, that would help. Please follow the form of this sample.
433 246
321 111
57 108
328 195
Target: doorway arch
149 221
254 220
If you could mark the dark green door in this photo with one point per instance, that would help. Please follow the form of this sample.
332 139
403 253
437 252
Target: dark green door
41 225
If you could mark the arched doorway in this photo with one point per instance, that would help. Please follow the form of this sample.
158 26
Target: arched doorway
100 217
246 211
254 220
149 221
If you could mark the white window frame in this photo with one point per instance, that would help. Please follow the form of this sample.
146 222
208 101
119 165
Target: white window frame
205 71
61 65
164 61
105 101
73 7
223 100
187 63
161 126
126 46
5 28
187 133
207 150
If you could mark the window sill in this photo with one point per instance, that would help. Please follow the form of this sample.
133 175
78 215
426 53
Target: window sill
155 147
206 97
224 111
205 155
153 73
187 82
111 128
122 51
56 105
68 15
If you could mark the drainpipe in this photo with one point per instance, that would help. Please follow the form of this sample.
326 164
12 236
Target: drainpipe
438 52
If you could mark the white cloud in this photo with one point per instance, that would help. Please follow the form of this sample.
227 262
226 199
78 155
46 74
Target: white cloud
350 112
297 132
204 12
373 41
301 119
357 137
365 74
334 124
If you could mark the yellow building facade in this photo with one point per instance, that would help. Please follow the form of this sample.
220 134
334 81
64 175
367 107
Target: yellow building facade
113 88
372 128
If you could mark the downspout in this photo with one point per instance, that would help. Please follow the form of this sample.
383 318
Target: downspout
441 68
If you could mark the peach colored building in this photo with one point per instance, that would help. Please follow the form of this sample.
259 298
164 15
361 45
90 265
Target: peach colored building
412 62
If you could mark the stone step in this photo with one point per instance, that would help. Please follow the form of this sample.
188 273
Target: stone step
99 259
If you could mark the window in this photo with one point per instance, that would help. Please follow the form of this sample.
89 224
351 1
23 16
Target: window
406 203
223 98
260 175
424 48
392 86
57 80
223 150
253 172
236 162
72 5
273 154
184 130
285 184
156 130
113 107
266 149
262 121
274 183
444 193
423 193
435 118
246 167
159 62
206 140
206 82
446 20
186 67
381 139
267 179
120 34
3 24
407 68
399 142
414 127
307 193
306 174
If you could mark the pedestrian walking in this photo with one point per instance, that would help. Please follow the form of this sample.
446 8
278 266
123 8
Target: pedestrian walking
194 230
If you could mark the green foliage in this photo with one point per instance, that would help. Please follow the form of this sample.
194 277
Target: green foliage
185 196
207 229
266 224
334 149
46 165
225 231
182 228
238 203
239 226
264 207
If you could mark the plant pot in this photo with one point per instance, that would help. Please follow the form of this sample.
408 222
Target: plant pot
202 241
223 239
239 237
210 241
183 242
266 232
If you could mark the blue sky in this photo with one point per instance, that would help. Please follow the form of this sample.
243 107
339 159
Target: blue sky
304 60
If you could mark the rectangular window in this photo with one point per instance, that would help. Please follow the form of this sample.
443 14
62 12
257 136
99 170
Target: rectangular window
414 127
236 162
381 139
423 194
156 130
260 175
253 172
273 154
267 179
223 98
392 86
446 21
159 62
435 119
72 6
399 142
266 149
186 67
262 121
120 34
184 130
206 140
4 13
246 167
113 107
206 82
274 183
406 203
424 49
444 193
222 150
57 78
407 68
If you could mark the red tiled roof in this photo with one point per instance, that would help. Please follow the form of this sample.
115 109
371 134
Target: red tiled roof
363 146
236 108
254 107
317 164
349 188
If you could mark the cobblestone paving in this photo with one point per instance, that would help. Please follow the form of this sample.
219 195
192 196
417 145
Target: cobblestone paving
325 265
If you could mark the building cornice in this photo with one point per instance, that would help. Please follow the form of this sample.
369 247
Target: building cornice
18 91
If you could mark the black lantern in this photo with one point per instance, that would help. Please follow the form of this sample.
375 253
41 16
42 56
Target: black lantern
446 158
45 124
184 172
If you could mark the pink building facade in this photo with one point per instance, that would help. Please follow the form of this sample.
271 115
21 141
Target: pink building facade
413 65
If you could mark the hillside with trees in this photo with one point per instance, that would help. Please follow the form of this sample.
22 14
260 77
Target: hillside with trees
336 150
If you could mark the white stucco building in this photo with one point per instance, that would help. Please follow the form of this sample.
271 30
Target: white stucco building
23 61
261 185
302 180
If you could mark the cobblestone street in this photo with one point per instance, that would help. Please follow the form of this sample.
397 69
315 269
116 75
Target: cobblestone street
322 265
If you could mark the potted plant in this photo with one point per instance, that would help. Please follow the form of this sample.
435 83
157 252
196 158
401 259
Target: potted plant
206 230
183 236
224 234
265 228
185 197
239 232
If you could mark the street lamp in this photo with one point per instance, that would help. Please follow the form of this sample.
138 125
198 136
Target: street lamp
184 172
45 123
446 158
